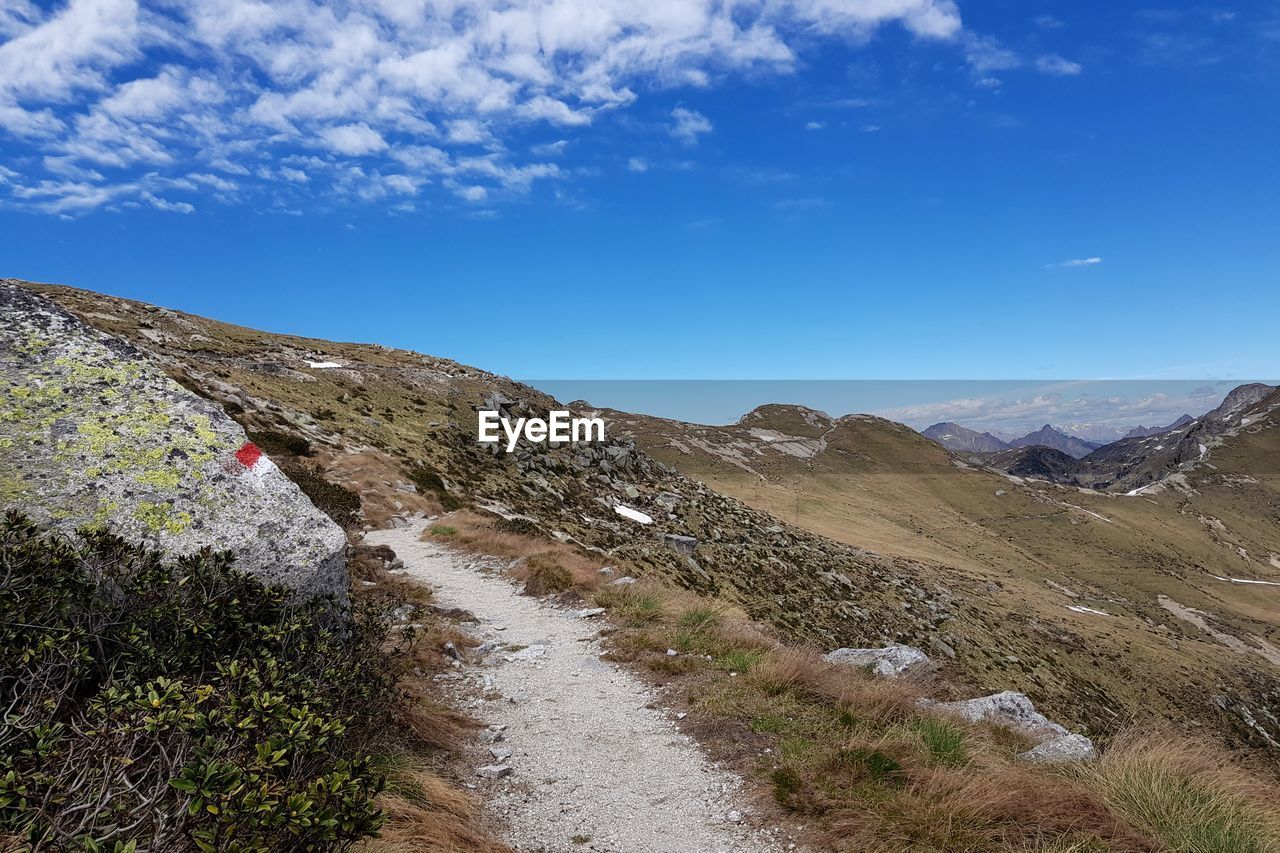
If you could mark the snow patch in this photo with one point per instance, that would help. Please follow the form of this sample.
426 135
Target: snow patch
1078 608
633 514
1245 580
323 365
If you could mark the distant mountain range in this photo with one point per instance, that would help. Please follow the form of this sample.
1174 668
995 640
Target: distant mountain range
964 440
1047 436
1142 457
1143 432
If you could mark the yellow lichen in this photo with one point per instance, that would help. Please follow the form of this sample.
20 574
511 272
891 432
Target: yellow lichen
160 518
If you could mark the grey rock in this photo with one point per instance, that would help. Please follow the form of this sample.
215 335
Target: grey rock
627 581
96 435
683 545
1069 747
500 753
890 661
590 612
493 771
1015 711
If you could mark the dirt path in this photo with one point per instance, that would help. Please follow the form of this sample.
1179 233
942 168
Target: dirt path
592 765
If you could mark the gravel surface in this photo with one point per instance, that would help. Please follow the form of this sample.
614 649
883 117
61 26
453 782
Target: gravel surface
579 760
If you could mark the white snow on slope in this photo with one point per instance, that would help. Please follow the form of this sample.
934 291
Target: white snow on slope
322 365
633 514
1245 580
1082 609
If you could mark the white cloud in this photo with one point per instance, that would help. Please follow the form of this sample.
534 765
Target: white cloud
232 84
1079 262
815 125
637 164
353 139
1053 64
689 125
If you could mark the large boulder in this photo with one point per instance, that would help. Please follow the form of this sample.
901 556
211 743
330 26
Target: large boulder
1016 711
92 434
890 661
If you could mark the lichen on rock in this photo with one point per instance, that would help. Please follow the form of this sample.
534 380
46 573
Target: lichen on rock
94 435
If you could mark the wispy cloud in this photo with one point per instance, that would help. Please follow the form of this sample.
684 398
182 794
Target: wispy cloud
1056 66
1078 262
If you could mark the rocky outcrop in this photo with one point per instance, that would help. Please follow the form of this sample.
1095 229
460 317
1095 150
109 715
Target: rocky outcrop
890 661
94 435
1016 711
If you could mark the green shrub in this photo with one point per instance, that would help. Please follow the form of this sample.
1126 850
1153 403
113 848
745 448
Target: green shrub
280 443
338 502
442 530
520 527
172 705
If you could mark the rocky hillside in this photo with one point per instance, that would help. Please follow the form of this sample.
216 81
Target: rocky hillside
847 532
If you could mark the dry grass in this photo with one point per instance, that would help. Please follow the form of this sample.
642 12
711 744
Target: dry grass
546 565
425 812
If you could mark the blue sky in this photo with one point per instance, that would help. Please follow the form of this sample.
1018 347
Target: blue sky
908 189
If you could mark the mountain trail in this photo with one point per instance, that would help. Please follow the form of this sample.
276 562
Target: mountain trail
586 760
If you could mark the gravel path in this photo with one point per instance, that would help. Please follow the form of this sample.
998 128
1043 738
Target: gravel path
591 765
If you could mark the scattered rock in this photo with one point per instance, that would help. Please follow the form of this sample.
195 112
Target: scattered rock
890 661
494 771
627 581
500 753
590 612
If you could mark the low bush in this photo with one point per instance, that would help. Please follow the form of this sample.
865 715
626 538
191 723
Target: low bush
174 705
338 502
280 443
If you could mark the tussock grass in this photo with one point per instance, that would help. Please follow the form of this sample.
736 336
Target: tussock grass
1188 795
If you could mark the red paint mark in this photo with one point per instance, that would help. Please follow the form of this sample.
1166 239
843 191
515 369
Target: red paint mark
248 455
